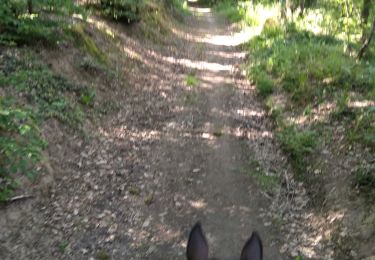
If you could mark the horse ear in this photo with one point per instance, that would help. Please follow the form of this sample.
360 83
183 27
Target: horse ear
197 248
253 249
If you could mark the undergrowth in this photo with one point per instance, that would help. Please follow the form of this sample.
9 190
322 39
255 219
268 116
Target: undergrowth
33 94
43 88
364 181
177 7
20 144
230 10
81 38
266 180
298 144
18 26
122 10
191 80
313 69
299 67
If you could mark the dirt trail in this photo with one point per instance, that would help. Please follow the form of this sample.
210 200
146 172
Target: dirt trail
170 157
233 201
206 167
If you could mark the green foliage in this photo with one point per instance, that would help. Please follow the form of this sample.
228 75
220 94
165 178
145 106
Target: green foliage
364 180
230 10
122 10
264 84
178 7
41 87
62 246
267 181
191 80
17 26
363 127
33 93
20 145
88 97
83 40
271 28
306 65
298 144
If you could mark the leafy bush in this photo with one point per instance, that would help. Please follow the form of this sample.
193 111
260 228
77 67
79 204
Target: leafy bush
363 128
34 93
18 26
178 7
306 65
88 97
298 144
271 28
20 145
83 40
122 10
365 181
46 90
264 84
230 10
191 80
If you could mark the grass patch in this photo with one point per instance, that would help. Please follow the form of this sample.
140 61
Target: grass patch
298 144
267 181
230 10
246 13
191 80
363 127
312 69
62 246
179 8
157 26
264 84
82 39
306 65
364 181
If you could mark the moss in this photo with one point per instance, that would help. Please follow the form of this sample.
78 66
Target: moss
88 44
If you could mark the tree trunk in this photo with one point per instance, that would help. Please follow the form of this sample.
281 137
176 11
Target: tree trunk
301 8
30 6
365 13
283 9
367 43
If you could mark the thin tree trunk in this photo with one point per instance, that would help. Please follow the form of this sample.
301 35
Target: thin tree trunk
30 6
301 7
283 9
365 46
365 13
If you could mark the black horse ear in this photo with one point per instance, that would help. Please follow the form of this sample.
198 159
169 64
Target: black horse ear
197 248
253 249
